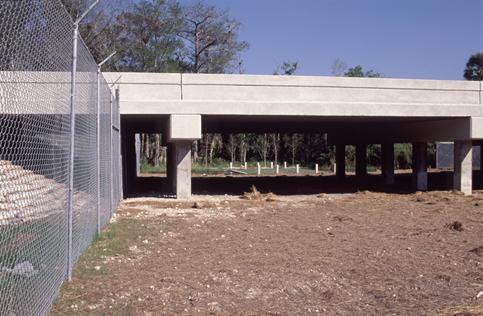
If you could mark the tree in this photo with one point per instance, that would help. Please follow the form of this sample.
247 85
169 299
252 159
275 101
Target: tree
262 145
231 147
275 140
287 68
293 142
244 146
211 39
474 68
147 37
98 29
357 71
339 68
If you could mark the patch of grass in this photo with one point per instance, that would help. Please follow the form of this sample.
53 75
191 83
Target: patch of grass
115 240
147 168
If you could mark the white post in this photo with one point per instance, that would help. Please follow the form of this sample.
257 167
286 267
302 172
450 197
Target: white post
246 165
298 168
259 169
316 168
231 165
277 170
284 165
271 164
335 168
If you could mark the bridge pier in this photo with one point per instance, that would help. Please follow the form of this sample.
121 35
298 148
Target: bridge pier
420 166
463 166
179 169
387 151
182 131
340 161
361 160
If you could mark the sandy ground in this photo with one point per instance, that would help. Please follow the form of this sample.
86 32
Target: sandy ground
343 254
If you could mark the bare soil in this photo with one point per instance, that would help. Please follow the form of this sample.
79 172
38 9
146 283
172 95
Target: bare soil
346 254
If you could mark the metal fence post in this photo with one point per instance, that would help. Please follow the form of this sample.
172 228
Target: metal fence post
70 199
110 159
98 150
119 140
99 67
71 153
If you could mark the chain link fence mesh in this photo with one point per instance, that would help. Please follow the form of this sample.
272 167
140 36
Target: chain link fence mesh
35 79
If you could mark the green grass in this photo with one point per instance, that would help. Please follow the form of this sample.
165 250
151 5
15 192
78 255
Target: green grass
114 241
147 168
220 167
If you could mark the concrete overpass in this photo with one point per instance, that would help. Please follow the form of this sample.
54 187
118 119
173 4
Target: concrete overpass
353 111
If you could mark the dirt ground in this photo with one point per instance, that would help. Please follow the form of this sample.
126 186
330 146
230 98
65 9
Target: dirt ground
347 254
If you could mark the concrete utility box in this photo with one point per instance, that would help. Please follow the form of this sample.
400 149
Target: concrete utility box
184 128
445 156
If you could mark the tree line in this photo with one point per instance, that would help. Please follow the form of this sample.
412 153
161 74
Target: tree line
161 36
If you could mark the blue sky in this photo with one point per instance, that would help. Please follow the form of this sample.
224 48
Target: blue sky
430 39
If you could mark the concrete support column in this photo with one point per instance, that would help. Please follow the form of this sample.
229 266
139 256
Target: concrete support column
182 169
183 130
463 166
387 151
340 161
361 160
137 141
481 158
420 166
171 167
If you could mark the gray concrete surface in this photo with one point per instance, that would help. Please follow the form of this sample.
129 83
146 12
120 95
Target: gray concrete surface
463 166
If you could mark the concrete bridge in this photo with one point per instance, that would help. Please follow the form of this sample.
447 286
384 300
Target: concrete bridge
352 111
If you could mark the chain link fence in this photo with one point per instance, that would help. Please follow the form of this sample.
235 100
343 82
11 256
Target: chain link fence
35 137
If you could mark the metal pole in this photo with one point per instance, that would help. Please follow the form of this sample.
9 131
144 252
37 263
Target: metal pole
71 152
99 141
70 197
119 140
110 157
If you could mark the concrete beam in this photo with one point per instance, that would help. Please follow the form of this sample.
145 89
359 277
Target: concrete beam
388 163
361 160
463 167
340 161
477 128
420 166
295 95
184 128
434 130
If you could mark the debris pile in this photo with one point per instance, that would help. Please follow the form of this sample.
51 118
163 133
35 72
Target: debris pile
25 194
